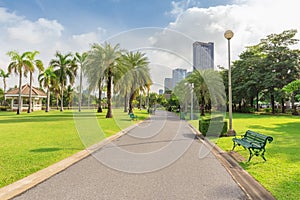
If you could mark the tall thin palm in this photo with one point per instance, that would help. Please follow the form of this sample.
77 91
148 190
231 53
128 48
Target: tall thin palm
4 77
46 80
112 70
39 65
65 70
80 59
94 71
137 77
208 87
19 65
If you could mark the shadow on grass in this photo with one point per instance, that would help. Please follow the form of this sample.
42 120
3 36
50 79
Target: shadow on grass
52 149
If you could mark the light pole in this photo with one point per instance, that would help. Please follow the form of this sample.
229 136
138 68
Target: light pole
228 35
192 100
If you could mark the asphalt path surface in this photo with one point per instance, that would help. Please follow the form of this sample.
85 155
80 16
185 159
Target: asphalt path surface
159 159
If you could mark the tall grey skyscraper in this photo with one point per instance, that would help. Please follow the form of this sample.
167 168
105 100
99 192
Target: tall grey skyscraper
178 75
203 55
168 84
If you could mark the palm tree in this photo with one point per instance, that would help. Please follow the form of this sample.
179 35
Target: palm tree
137 77
4 76
19 65
112 70
46 80
31 69
80 59
69 95
65 69
94 70
208 87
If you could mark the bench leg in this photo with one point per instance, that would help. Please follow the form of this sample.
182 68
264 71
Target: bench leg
234 145
251 155
263 154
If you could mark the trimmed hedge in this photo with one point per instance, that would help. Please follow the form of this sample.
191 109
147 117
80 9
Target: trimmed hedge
216 127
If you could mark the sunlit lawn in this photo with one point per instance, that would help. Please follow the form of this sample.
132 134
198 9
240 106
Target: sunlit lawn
281 173
30 142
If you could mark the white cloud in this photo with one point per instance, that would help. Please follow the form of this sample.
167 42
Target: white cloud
46 36
250 20
171 46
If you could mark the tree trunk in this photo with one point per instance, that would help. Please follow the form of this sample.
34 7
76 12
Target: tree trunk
20 91
273 103
80 90
257 105
130 103
252 102
30 95
293 105
100 97
109 94
57 101
125 103
48 100
62 99
202 110
282 106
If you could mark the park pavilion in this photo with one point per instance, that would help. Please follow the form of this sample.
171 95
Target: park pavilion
37 96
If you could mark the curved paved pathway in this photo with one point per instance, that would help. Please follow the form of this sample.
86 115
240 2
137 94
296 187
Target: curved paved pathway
159 159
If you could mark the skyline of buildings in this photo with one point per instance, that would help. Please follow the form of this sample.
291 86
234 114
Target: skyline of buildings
203 58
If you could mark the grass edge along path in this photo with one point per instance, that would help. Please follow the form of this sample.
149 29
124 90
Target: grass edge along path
280 174
31 142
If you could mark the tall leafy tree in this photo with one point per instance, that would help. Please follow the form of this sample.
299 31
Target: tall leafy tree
136 77
95 71
291 88
80 59
46 79
65 71
4 77
112 70
35 63
19 65
281 64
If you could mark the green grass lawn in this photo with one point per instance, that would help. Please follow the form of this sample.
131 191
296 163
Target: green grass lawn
30 142
281 173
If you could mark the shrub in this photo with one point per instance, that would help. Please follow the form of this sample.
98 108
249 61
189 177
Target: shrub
215 127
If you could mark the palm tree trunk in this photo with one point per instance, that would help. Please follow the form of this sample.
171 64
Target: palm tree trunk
100 97
80 91
109 84
62 99
48 100
57 101
130 103
125 103
20 91
30 95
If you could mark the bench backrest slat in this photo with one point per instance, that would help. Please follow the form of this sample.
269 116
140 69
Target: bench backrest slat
257 138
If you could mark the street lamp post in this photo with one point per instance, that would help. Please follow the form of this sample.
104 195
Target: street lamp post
228 35
192 100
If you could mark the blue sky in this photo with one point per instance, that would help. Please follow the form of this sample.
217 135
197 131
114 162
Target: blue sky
79 16
73 25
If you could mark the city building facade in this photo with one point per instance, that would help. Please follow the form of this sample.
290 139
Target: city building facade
203 55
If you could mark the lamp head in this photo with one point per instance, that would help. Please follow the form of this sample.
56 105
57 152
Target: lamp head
228 34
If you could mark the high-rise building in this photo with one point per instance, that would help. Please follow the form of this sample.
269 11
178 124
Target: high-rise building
178 75
203 55
168 84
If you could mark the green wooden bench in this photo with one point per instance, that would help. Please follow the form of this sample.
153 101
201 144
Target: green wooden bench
254 142
132 116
